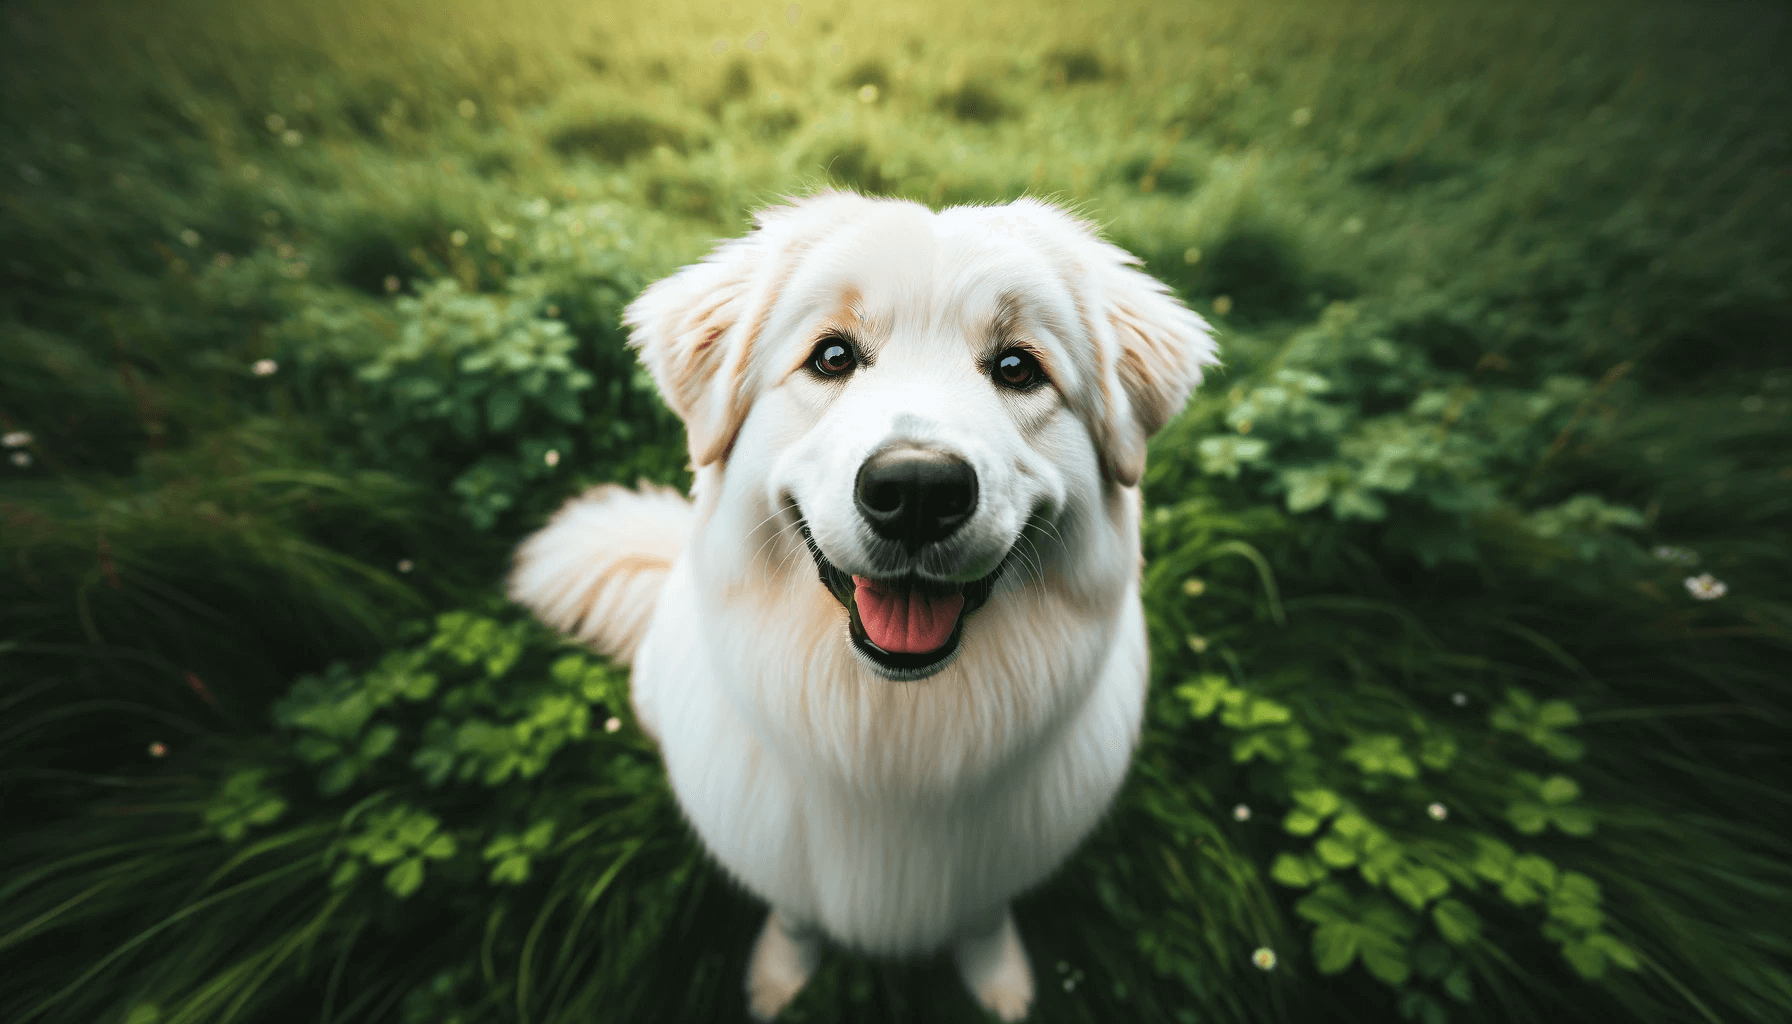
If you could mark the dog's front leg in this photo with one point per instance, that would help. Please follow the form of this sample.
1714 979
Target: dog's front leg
782 961
993 964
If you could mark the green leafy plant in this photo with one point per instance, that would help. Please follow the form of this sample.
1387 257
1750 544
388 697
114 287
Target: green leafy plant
405 838
244 802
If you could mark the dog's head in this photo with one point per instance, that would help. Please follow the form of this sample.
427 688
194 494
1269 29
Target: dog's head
929 400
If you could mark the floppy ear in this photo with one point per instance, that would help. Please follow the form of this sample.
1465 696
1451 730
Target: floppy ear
1149 347
684 328
695 331
1159 347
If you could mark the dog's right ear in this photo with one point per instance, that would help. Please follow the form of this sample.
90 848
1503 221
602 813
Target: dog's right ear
695 330
684 328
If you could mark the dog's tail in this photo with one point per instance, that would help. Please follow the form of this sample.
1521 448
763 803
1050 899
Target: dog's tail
594 572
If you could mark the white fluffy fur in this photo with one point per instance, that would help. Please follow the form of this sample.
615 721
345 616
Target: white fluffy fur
892 816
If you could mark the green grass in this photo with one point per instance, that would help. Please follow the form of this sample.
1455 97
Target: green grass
1504 304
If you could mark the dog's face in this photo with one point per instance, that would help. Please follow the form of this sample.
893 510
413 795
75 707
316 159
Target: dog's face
934 403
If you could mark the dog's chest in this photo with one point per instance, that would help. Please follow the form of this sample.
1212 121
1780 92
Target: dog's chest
883 875
880 867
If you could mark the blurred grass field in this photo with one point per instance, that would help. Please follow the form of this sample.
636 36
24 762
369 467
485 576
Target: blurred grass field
1470 574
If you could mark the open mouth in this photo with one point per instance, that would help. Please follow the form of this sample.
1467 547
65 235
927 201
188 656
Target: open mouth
906 626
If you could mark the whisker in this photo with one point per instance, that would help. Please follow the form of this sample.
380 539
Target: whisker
775 535
796 550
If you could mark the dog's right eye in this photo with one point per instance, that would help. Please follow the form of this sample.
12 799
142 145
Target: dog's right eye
834 357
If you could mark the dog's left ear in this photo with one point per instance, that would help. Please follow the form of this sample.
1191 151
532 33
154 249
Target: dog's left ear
1158 348
1149 346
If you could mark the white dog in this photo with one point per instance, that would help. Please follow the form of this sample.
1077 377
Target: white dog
892 649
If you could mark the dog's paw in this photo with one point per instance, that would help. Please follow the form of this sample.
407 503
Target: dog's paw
994 967
779 968
1009 999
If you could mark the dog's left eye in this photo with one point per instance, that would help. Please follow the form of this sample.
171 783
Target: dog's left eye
834 357
1017 368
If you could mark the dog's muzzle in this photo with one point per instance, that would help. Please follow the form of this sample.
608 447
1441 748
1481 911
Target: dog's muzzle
907 627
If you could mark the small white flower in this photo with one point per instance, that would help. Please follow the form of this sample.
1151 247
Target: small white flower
1459 699
458 237
292 138
552 458
264 368
1222 305
1706 587
16 438
21 459
1069 984
1264 959
405 565
1198 644
1679 556
1194 586
612 724
1241 813
1438 812
189 237
1191 255
867 93
275 122
285 251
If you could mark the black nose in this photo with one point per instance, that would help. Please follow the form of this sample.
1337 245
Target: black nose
915 497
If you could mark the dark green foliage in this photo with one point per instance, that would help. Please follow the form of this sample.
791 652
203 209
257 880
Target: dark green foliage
1073 66
615 139
1160 173
871 73
856 166
737 81
1406 171
1467 580
973 101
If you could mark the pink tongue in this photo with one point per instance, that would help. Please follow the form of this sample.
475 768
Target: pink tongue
905 621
